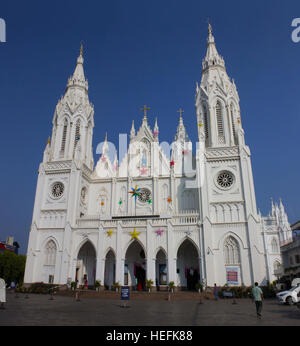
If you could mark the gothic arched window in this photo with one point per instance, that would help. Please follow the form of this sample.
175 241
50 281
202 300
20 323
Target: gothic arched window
231 251
274 245
232 122
64 137
221 138
77 133
50 253
205 120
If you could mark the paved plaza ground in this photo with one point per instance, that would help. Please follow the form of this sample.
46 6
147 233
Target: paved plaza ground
39 310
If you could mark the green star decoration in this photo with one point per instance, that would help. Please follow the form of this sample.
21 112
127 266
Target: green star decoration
149 201
120 202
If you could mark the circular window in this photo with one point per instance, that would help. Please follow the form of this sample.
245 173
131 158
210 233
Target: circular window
57 190
225 179
144 195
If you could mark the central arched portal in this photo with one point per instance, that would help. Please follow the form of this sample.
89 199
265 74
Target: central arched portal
86 265
187 265
135 266
110 269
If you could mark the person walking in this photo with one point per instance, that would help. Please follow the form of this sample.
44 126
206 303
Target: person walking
216 293
258 297
13 286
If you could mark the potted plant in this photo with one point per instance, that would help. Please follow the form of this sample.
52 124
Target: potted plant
116 286
198 287
149 284
171 286
73 285
98 285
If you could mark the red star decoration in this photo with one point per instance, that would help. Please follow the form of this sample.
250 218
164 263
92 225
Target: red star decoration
143 171
172 163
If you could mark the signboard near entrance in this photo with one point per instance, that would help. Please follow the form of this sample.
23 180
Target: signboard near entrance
125 293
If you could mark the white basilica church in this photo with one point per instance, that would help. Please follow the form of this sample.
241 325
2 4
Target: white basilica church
178 217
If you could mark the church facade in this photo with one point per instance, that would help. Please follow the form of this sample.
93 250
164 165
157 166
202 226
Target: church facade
160 214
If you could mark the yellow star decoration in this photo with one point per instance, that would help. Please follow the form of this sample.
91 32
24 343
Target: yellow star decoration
135 234
239 121
200 124
109 232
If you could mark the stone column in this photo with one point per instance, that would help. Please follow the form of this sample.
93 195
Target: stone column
100 261
172 260
150 271
120 260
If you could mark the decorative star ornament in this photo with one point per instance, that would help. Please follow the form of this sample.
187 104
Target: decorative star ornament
172 163
135 192
159 232
103 159
120 202
169 200
239 121
155 133
143 171
109 232
200 124
102 203
149 201
184 152
135 234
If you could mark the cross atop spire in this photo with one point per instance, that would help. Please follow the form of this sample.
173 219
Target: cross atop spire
180 111
145 109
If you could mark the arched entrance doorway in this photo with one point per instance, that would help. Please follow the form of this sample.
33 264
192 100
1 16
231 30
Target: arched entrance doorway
110 269
187 265
135 266
161 269
86 265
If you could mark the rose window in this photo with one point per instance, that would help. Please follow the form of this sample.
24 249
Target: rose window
57 190
225 179
144 195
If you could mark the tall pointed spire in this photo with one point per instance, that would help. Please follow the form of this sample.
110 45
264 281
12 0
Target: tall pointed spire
212 58
156 130
132 132
181 134
78 78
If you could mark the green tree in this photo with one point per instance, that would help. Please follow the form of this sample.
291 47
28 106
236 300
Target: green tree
12 267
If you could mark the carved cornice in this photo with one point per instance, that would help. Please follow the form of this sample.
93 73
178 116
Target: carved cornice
222 153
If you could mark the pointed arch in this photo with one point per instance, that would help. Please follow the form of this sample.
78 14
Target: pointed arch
131 241
232 110
274 245
64 137
81 244
188 239
205 121
160 248
77 132
110 268
86 263
187 262
108 250
219 120
50 253
231 251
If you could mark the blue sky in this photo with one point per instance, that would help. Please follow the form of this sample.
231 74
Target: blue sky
146 52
